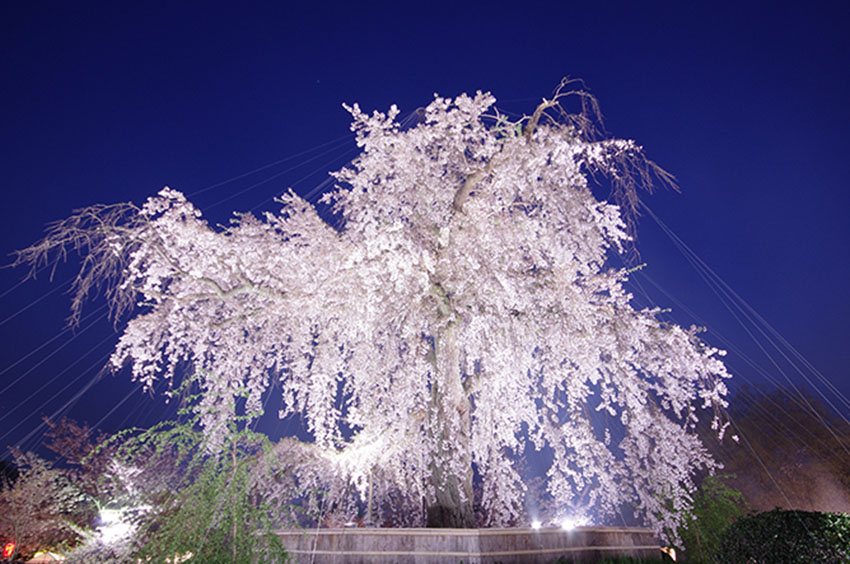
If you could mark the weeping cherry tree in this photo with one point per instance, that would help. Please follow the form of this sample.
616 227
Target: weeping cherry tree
462 308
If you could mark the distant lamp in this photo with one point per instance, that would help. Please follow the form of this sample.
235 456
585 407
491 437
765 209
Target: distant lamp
536 524
570 523
8 550
112 525
669 551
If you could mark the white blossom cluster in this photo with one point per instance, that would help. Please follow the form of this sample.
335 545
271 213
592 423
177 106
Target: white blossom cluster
463 312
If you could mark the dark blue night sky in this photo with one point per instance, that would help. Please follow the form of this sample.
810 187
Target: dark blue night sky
109 102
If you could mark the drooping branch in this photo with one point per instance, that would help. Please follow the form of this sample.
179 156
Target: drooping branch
104 236
622 163
538 113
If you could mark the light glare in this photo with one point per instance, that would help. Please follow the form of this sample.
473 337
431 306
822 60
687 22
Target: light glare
570 523
113 528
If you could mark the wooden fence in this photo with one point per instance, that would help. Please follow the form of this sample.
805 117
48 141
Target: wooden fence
470 546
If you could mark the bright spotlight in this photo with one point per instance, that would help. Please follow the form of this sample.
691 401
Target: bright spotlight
568 524
536 524
112 527
109 516
669 551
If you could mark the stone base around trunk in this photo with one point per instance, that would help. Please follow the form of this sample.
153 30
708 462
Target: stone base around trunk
470 546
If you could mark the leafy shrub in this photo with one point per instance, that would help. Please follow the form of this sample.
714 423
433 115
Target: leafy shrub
716 506
213 512
182 495
788 537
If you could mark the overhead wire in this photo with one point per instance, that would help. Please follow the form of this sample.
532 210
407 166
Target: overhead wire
706 274
15 287
91 382
759 459
50 341
115 407
772 417
729 296
334 144
407 121
731 299
315 190
55 377
140 401
33 302
267 166
272 177
31 275
729 345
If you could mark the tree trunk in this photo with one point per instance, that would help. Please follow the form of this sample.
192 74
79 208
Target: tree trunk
451 463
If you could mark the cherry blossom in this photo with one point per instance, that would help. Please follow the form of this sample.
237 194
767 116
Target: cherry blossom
462 310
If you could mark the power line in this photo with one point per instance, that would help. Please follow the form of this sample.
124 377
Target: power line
272 177
319 187
729 345
266 166
55 377
49 341
730 298
35 301
64 406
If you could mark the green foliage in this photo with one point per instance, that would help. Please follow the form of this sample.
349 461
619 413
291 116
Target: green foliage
191 494
214 518
716 506
213 512
788 537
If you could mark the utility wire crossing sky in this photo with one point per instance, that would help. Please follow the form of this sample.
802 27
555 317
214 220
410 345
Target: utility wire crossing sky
746 107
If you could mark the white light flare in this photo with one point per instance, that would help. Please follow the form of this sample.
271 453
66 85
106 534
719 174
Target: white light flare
113 528
669 551
570 523
536 524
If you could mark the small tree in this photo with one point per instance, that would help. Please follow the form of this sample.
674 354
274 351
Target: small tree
185 495
76 445
715 508
43 509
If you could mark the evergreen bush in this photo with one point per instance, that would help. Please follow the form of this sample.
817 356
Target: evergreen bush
788 537
716 507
